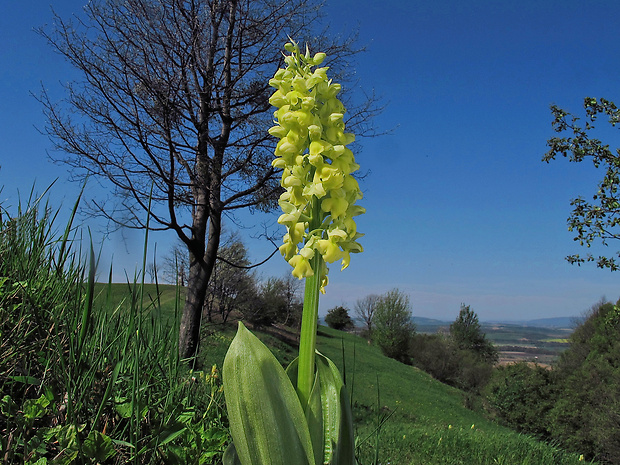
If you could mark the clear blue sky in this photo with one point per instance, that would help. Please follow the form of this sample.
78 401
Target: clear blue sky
460 207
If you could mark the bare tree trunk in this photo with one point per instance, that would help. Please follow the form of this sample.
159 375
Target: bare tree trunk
202 263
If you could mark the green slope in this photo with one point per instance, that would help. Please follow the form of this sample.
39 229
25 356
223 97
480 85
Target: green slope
427 422
115 294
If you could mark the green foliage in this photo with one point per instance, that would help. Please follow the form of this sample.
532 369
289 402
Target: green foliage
467 335
445 361
587 413
521 396
436 355
338 318
599 220
394 327
83 380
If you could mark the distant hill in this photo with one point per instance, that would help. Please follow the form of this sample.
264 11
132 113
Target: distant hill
421 321
557 322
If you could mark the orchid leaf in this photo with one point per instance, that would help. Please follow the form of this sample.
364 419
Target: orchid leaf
266 419
333 431
313 411
230 456
337 416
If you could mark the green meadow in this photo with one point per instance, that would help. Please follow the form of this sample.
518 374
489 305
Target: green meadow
402 415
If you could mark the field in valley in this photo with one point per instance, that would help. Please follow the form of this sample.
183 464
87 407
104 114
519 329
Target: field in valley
517 342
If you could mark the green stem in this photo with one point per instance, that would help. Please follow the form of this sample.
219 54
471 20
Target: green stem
310 316
307 338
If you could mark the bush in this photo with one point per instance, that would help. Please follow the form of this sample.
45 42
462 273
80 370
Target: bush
338 318
521 396
443 360
587 413
435 355
393 325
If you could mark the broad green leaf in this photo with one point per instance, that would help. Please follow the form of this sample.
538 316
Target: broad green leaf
98 446
67 436
266 419
123 406
26 380
313 411
333 432
230 456
40 461
7 407
169 433
35 408
337 416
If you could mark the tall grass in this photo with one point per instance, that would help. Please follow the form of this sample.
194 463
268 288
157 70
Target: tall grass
86 380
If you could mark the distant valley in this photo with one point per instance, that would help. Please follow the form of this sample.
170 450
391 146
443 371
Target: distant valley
538 341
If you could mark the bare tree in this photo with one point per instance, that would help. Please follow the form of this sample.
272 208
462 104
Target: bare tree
172 109
151 271
291 288
176 264
365 309
232 286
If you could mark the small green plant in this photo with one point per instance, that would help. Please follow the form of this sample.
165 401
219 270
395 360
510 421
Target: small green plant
301 415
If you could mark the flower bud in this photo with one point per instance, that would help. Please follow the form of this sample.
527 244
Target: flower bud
318 58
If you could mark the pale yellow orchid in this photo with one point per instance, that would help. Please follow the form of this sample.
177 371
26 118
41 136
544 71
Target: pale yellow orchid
320 193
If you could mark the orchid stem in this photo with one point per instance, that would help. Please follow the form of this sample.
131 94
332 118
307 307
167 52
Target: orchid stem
309 318
307 338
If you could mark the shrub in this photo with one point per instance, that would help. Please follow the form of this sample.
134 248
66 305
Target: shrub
435 355
446 362
393 325
338 318
587 413
521 396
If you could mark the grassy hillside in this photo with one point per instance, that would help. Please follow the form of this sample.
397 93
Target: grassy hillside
425 421
429 423
114 294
